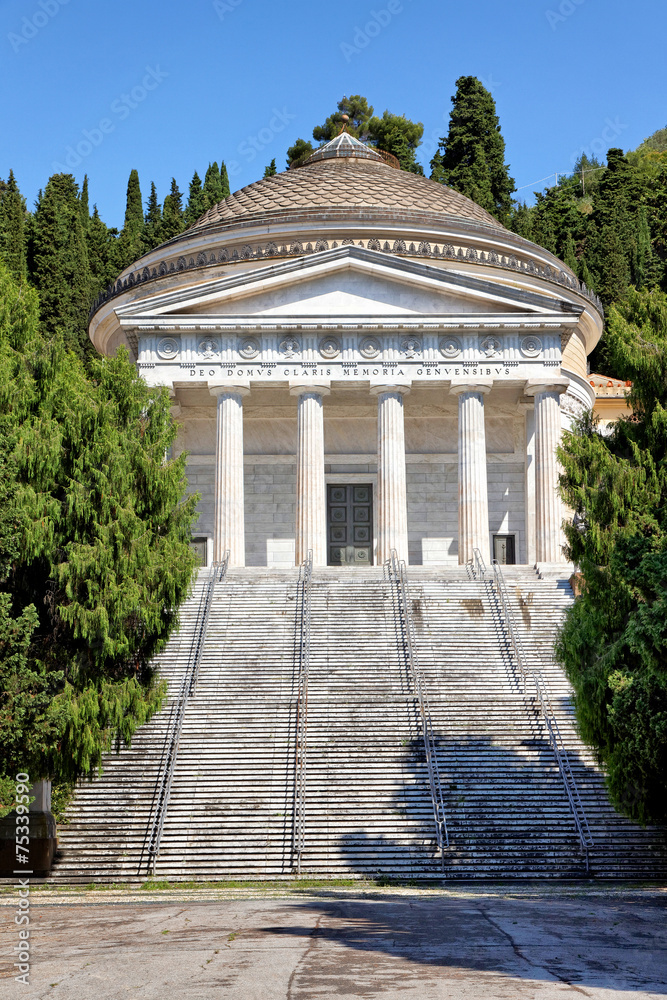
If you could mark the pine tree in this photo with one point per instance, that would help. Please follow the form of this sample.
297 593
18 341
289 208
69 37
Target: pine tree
224 180
399 136
13 228
59 262
270 171
472 155
359 113
95 557
152 233
212 190
173 221
196 205
614 642
298 151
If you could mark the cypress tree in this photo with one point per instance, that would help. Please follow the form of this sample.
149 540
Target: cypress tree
83 200
97 560
13 228
134 213
472 155
102 244
612 242
224 180
196 205
60 266
152 233
569 256
173 221
130 243
270 171
212 189
614 642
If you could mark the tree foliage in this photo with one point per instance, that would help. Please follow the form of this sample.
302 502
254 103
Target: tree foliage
59 263
471 157
94 546
13 234
614 640
395 134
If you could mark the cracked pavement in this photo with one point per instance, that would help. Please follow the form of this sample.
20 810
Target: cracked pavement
465 943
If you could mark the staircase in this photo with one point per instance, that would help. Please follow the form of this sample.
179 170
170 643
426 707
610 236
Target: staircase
621 849
368 806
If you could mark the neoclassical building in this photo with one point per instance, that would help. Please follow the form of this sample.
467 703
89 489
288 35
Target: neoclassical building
361 359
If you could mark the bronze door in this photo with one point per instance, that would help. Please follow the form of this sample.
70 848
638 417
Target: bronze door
350 524
503 549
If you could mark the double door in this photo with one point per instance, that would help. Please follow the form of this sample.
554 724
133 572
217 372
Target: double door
350 524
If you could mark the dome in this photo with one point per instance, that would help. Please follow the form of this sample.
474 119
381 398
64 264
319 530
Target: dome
344 174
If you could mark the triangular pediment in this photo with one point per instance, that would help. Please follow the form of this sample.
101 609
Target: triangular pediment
346 282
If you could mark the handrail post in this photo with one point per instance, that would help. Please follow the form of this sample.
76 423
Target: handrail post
396 573
499 590
302 643
217 573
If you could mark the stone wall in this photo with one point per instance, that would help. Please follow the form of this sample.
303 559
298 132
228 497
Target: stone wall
432 496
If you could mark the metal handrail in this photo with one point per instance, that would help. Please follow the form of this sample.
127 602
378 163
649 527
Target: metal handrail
395 573
302 655
529 672
217 572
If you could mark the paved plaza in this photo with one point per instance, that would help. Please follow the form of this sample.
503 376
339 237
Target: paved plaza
463 943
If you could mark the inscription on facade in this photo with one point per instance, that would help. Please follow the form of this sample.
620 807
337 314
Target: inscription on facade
350 370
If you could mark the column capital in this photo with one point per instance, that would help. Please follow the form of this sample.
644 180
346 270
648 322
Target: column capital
241 387
467 384
298 387
378 388
534 386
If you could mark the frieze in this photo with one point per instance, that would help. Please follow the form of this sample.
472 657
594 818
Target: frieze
247 251
350 370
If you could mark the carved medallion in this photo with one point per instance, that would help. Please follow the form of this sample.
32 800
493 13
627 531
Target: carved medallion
168 348
289 347
329 348
208 348
370 347
491 346
248 348
450 347
531 346
411 346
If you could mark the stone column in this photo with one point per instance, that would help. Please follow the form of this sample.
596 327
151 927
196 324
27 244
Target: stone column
473 496
548 515
527 408
228 515
392 506
311 504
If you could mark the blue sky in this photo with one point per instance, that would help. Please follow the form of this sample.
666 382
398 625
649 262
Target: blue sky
103 87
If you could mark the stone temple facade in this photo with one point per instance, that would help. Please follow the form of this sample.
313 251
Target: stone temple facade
361 359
